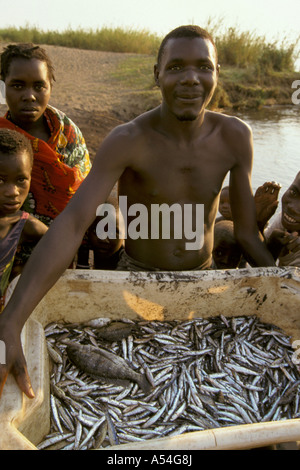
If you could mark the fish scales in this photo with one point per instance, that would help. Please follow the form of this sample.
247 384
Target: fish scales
202 373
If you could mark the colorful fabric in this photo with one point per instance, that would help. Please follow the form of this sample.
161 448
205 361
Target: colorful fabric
60 165
8 248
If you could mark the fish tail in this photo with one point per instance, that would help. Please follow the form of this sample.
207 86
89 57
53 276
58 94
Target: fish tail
145 384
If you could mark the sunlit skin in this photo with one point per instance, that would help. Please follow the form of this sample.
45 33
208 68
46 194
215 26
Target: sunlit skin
282 242
290 217
176 153
28 90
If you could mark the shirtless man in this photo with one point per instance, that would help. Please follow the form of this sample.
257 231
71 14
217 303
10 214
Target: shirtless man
175 153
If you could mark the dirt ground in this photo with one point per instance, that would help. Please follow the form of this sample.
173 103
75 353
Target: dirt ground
85 91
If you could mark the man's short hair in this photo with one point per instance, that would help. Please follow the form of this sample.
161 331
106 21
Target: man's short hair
188 31
24 51
13 142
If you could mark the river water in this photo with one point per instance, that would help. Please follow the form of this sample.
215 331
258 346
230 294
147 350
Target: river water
276 139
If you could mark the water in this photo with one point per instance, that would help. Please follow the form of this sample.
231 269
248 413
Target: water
276 138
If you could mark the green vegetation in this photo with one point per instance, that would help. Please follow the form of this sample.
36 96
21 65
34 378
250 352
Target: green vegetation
236 48
105 39
254 72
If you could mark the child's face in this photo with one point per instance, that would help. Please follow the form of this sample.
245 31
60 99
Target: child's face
227 255
28 90
290 217
224 205
15 177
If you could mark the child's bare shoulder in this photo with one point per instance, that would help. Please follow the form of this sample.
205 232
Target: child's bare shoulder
34 229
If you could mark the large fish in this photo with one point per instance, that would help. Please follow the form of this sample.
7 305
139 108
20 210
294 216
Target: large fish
99 362
116 331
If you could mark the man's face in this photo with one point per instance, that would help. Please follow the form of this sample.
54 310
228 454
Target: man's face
187 76
28 90
291 207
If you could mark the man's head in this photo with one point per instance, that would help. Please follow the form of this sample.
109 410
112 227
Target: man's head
16 160
187 72
290 216
188 32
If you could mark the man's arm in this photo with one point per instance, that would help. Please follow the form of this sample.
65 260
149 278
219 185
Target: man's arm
54 253
243 204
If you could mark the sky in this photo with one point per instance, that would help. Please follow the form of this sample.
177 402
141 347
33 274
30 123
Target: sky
274 19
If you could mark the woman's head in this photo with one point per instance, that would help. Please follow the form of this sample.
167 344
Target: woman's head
28 75
26 51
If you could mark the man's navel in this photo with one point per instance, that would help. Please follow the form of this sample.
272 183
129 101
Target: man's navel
178 253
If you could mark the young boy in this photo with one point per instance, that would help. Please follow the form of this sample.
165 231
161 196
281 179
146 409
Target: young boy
266 202
283 235
224 205
16 226
227 252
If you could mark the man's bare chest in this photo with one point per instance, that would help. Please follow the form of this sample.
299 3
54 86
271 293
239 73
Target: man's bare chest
176 175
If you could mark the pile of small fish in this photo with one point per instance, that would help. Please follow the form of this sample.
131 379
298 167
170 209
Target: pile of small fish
119 382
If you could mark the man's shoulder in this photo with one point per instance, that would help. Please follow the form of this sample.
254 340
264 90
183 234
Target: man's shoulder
229 123
136 128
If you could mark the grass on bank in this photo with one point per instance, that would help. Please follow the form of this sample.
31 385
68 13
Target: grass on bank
236 48
254 72
105 39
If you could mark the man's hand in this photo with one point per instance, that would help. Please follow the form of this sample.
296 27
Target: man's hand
15 362
280 237
281 243
293 244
